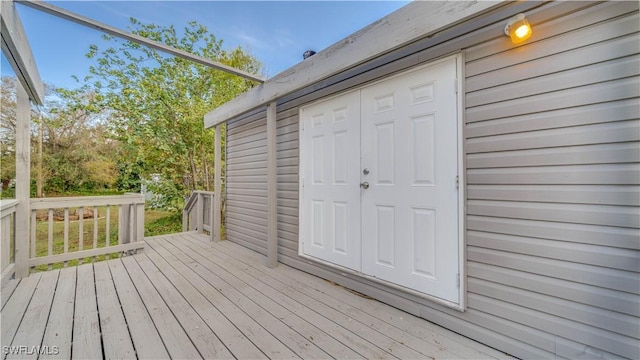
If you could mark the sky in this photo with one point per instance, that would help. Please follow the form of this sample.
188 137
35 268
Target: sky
275 32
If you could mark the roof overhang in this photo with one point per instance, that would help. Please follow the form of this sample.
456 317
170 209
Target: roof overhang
18 52
414 21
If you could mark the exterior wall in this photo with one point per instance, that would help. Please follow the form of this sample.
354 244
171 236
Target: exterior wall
552 150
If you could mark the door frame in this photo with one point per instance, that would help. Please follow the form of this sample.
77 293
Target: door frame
462 259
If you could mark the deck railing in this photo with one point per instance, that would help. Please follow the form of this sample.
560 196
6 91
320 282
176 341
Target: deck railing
7 238
83 228
198 212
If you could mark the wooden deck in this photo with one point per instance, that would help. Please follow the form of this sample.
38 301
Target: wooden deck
185 297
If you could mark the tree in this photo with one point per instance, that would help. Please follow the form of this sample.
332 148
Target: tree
7 130
78 154
157 103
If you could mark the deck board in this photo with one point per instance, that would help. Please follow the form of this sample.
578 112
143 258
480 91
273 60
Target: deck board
173 335
32 326
15 308
185 297
115 334
86 325
200 334
59 327
455 345
242 297
7 291
360 338
144 335
224 313
340 304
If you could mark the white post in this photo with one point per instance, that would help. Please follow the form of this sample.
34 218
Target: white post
23 182
124 219
217 186
272 202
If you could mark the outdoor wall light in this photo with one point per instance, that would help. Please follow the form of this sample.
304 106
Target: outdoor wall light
518 29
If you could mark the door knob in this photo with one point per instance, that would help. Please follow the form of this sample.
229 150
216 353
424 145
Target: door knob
364 185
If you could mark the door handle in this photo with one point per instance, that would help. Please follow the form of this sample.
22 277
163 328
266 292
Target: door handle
364 185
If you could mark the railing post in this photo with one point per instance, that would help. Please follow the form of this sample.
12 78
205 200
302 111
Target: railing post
23 181
123 223
211 216
200 209
272 205
185 218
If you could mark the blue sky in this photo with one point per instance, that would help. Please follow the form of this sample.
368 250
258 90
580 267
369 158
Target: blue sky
276 32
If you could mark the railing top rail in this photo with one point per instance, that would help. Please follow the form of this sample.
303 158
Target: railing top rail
64 202
8 207
8 203
193 199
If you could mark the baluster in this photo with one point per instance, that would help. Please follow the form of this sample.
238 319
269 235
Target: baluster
108 221
95 229
50 236
33 233
80 231
66 233
121 215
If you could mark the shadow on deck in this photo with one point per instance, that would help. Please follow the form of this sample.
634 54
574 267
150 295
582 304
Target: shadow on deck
186 297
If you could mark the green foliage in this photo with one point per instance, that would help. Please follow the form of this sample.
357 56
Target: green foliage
141 113
77 152
157 104
160 223
167 195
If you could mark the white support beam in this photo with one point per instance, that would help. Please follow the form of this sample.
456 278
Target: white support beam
18 52
272 188
82 20
23 182
217 185
414 21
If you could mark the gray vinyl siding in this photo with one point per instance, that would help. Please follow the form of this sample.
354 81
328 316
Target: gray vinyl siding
552 154
246 182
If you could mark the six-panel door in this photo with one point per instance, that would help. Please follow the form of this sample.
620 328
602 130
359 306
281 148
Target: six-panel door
330 150
410 211
379 167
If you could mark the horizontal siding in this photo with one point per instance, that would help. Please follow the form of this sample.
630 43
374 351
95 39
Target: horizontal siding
246 179
552 154
246 191
552 134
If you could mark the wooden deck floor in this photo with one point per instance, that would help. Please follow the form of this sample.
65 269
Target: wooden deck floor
188 298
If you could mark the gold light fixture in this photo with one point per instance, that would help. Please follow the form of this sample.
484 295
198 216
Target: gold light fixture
518 29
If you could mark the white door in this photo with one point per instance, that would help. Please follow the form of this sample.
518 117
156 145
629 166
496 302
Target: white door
330 167
410 208
379 169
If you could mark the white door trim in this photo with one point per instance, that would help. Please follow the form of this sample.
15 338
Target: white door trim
352 274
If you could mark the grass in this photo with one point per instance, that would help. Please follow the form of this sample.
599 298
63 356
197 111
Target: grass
156 223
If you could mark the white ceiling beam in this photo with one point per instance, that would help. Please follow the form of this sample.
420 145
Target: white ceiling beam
16 49
82 20
416 20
